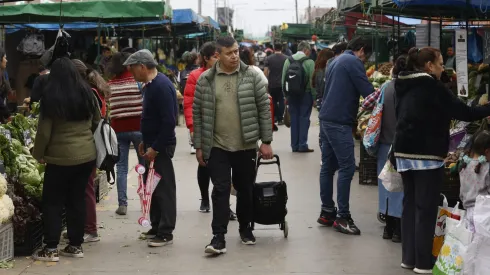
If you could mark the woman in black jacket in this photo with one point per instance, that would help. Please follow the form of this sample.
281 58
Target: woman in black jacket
424 108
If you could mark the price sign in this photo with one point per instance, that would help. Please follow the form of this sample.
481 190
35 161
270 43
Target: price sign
27 138
6 133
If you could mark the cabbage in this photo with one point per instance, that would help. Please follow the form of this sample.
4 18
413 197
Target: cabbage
17 146
3 185
30 177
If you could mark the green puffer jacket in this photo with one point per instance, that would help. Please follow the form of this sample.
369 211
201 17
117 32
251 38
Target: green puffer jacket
253 103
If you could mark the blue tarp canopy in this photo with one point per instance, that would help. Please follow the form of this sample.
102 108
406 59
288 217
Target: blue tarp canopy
180 16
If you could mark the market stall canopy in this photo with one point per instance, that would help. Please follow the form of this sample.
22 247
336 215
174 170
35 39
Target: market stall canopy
356 4
457 9
180 17
108 11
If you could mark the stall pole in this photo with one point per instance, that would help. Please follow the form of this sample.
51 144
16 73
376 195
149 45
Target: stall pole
399 35
440 33
395 50
430 28
98 44
143 36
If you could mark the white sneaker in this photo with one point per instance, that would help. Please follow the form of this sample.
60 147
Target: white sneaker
405 266
422 271
193 150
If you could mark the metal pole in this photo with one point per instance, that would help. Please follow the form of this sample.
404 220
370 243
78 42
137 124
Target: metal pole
216 10
309 12
199 7
297 19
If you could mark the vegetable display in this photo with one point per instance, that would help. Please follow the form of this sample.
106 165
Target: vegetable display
6 204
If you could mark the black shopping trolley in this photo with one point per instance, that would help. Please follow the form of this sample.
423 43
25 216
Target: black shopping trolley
270 199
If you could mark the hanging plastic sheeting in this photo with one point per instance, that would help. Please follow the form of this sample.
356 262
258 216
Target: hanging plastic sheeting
321 46
480 4
475 54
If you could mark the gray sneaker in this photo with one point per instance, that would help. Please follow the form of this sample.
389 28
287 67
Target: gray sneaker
122 210
91 238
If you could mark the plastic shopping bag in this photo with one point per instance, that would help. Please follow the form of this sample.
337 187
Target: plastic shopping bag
444 212
373 130
451 259
481 215
391 179
477 258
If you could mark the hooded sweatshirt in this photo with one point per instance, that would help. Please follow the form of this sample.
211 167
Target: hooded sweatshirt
424 110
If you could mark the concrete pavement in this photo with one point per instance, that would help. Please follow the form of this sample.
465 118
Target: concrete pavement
310 248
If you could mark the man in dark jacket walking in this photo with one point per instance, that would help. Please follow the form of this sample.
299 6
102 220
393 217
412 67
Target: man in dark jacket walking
346 81
158 122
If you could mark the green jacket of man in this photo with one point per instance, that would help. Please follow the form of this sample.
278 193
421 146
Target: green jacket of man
308 65
253 101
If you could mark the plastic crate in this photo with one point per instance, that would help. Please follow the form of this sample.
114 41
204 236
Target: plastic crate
451 186
6 242
32 241
368 168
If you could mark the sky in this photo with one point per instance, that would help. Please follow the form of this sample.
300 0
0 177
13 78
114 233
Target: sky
247 15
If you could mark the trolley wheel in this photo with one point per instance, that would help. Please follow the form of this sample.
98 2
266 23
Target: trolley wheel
285 229
381 218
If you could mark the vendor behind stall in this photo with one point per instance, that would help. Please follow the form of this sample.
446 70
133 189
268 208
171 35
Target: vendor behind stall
5 88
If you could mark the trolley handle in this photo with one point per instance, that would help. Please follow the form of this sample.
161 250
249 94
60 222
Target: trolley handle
274 160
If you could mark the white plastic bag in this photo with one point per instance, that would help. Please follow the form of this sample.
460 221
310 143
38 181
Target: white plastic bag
391 179
481 215
451 259
443 214
477 258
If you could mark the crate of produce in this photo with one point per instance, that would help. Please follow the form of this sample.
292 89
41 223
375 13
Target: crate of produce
101 187
450 186
33 239
6 242
368 172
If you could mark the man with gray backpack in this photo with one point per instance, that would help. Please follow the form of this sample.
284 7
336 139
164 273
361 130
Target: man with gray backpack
297 76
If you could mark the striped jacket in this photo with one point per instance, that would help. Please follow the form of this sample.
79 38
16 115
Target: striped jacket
126 103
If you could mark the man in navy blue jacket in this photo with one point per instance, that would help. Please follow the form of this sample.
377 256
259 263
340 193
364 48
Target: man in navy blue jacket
158 122
346 81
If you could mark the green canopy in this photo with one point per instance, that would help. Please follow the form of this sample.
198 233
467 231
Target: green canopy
107 11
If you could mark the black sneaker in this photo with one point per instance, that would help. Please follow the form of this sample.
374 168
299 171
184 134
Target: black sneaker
232 215
47 255
217 245
204 206
387 233
327 218
247 236
148 235
72 251
160 241
346 225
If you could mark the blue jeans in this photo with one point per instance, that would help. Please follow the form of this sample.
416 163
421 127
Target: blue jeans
337 154
300 112
125 139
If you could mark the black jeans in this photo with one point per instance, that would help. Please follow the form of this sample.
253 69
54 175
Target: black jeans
220 165
278 100
163 209
65 186
203 181
420 205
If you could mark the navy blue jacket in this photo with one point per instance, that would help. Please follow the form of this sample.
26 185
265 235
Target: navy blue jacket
345 82
159 116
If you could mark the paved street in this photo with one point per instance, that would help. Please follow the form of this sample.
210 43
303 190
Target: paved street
310 248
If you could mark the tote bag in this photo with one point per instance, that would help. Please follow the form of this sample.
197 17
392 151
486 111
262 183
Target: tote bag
373 130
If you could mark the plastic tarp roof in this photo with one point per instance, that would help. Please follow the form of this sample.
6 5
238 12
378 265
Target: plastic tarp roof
180 16
108 11
461 3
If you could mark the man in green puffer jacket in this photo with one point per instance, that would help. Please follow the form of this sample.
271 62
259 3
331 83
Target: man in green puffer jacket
231 114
